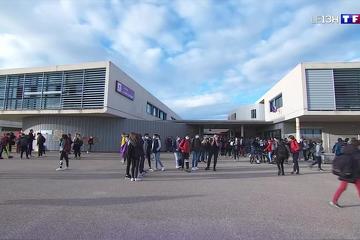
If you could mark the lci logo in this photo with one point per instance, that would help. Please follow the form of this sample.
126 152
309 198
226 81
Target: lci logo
342 19
125 91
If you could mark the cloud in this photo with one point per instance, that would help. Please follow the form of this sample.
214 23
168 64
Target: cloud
197 101
203 58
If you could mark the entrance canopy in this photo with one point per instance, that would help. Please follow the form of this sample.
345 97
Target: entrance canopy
223 124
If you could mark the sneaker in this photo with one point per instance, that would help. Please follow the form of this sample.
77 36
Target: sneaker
132 179
59 169
138 179
331 203
193 169
67 168
162 169
196 168
151 170
321 170
207 168
127 177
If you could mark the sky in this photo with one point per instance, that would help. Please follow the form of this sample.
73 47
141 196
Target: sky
203 58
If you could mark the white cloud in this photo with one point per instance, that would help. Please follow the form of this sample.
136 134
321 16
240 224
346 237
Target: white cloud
204 57
198 101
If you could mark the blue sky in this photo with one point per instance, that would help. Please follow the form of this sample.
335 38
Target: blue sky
203 58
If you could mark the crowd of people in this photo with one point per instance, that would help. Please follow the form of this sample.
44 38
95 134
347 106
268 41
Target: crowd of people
189 152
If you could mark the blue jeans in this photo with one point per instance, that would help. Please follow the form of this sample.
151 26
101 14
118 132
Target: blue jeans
195 159
177 159
157 160
270 156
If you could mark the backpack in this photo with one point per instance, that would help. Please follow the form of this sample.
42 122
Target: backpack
342 166
294 146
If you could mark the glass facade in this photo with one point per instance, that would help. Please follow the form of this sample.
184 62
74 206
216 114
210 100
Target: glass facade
77 89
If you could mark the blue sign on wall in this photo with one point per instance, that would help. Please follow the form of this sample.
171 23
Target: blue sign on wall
125 91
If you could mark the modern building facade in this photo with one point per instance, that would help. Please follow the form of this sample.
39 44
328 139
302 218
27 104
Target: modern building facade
95 99
314 100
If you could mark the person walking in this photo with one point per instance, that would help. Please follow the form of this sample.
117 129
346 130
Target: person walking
338 148
204 150
90 144
133 155
213 151
141 156
185 152
65 148
123 146
4 142
281 154
148 149
78 142
23 143
319 149
31 138
195 148
347 167
294 149
156 147
40 141
177 153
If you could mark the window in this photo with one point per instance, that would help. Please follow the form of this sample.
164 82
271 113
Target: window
172 118
156 112
232 116
310 133
253 113
276 103
149 108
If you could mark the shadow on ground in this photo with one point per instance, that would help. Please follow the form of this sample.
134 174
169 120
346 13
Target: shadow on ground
89 202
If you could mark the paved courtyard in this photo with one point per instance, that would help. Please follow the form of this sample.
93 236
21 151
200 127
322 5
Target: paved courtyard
239 201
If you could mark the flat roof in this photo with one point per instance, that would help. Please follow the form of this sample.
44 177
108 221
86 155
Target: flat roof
223 122
54 68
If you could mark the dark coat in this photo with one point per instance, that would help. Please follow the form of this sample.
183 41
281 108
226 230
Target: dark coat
347 165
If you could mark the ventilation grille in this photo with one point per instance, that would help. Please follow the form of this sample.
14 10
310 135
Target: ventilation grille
76 89
347 89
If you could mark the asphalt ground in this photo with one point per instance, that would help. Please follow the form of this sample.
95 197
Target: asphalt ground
92 200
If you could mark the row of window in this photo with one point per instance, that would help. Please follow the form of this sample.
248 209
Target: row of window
156 112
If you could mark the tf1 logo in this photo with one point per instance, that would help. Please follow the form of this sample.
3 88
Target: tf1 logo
350 18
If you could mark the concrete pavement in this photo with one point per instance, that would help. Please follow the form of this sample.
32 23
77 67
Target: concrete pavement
239 201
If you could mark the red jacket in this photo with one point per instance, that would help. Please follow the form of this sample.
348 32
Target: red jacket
269 146
185 146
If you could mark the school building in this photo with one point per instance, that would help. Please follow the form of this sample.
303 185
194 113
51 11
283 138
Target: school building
314 100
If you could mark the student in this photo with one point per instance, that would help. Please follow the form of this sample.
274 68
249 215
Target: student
177 153
78 142
195 148
133 155
318 153
90 143
281 153
4 142
185 152
65 148
294 149
40 141
156 146
148 150
213 151
349 171
23 143
31 138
